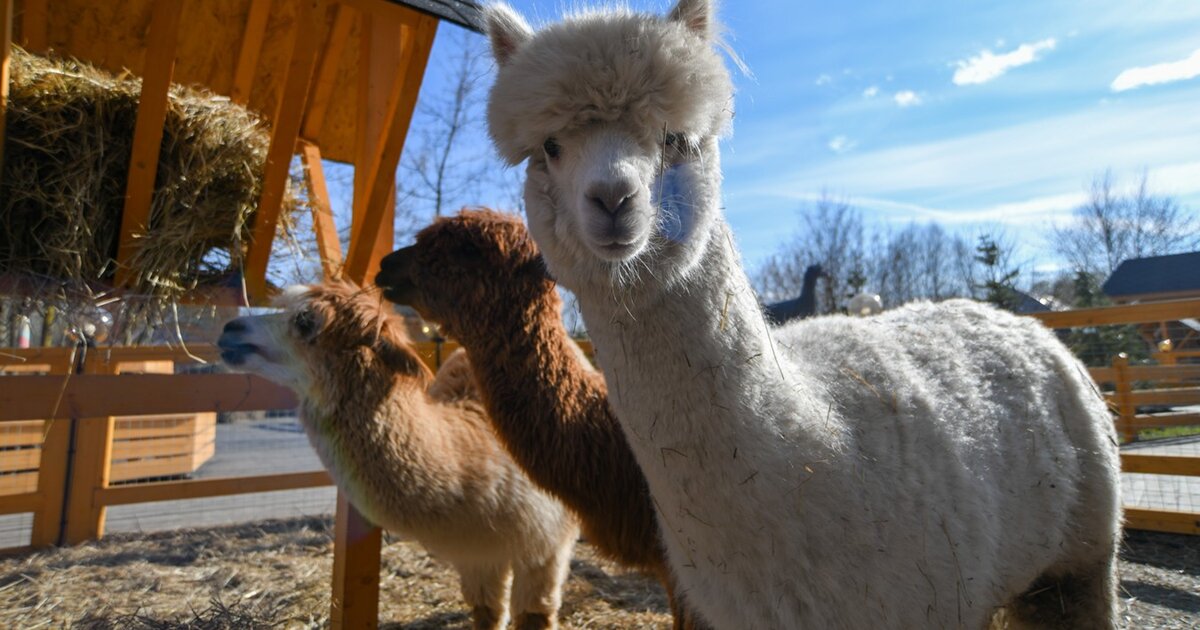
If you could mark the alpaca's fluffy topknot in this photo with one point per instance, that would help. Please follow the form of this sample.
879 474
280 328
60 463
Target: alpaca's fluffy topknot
648 72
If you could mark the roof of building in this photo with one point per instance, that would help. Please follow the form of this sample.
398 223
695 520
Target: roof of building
1176 274
465 13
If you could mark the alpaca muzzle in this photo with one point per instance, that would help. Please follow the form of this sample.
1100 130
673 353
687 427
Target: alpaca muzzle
233 344
395 276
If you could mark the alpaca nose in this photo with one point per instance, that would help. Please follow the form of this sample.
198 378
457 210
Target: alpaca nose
612 197
234 326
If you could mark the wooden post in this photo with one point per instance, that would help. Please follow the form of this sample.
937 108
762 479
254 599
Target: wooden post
91 461
1125 407
328 245
6 24
327 74
52 474
356 547
285 129
366 246
252 41
162 41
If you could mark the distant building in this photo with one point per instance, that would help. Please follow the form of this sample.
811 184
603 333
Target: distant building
1155 278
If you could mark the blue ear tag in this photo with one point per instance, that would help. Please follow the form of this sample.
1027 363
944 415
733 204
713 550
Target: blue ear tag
676 218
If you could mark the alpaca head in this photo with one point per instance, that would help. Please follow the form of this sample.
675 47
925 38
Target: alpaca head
618 115
323 333
470 273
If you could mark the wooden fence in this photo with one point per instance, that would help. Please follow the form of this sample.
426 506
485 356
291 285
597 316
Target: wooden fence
1137 390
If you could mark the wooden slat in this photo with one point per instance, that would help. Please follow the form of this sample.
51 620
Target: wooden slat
1160 464
6 25
19 503
1177 396
205 488
162 41
355 598
252 43
1126 314
383 169
154 447
90 467
36 356
1103 375
329 247
1162 521
143 427
150 467
327 74
34 26
20 459
1164 372
21 433
285 129
1145 421
83 396
47 527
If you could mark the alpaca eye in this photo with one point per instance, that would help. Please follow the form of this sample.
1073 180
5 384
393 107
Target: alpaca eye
305 324
551 147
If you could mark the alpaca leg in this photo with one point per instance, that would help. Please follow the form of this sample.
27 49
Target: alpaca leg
1076 599
683 616
537 590
485 588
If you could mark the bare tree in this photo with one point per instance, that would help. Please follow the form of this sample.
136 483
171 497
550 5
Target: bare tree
1112 227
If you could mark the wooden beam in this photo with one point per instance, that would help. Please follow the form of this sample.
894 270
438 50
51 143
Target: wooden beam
252 42
6 24
1150 312
90 466
1160 464
1164 372
356 545
161 44
329 247
1177 396
285 129
1155 421
381 181
205 488
327 74
1162 521
21 503
35 31
93 395
52 476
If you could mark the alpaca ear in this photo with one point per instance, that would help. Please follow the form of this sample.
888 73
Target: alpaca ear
697 15
506 29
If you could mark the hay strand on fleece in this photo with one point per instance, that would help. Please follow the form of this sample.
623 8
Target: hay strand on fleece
62 190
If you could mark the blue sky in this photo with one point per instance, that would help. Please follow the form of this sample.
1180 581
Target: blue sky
973 114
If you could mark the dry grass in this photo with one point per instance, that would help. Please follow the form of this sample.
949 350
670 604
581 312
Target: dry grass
62 190
273 574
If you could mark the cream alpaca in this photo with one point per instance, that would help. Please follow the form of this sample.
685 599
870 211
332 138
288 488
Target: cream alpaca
424 465
917 469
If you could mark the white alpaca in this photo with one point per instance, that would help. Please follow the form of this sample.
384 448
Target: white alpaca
416 458
918 469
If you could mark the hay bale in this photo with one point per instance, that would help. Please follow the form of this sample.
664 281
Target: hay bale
62 190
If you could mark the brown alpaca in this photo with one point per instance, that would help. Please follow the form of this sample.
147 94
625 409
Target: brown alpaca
425 466
481 277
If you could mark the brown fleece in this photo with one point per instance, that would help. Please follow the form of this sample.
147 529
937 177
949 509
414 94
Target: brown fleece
481 277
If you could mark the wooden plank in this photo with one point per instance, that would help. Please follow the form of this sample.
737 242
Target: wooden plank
356 546
13 460
1160 464
20 503
285 129
143 427
82 396
1103 374
90 465
1177 396
1162 521
1164 372
205 488
328 74
35 26
36 356
329 246
6 24
161 44
47 526
150 467
21 433
1151 312
154 447
252 43
1146 421
365 250
1122 399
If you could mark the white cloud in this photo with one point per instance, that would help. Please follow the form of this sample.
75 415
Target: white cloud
841 144
871 92
907 98
1158 73
824 79
987 65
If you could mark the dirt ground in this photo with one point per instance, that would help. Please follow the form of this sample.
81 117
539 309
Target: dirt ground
275 574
